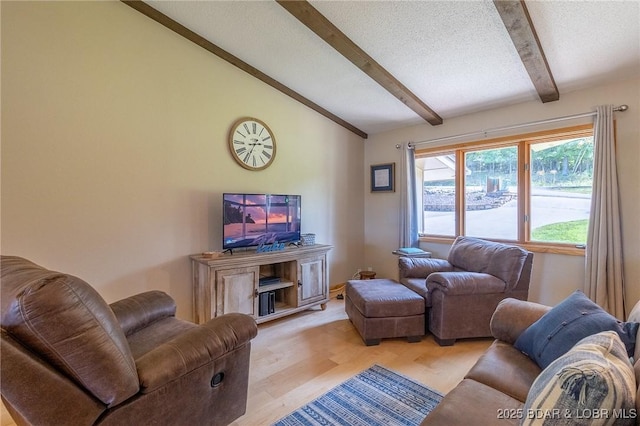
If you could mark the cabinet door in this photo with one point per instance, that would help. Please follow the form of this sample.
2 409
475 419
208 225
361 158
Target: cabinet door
236 291
312 283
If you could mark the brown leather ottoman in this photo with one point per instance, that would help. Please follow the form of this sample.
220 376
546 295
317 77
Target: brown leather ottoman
382 308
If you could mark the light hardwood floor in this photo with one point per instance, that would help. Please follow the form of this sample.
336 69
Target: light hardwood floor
298 358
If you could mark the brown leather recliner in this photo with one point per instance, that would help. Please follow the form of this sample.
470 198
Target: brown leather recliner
462 292
68 358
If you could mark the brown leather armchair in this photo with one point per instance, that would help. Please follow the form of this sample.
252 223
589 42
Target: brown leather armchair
462 292
68 358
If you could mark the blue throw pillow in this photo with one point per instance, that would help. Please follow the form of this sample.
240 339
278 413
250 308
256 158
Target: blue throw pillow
566 324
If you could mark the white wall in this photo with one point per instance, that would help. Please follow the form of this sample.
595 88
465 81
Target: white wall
114 150
554 276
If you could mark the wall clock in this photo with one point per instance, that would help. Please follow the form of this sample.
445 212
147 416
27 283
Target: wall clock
252 143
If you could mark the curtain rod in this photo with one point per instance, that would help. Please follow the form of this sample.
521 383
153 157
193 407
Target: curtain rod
515 126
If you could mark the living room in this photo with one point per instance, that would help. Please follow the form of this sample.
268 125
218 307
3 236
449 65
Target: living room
115 157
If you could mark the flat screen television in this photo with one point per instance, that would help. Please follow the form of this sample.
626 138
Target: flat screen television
255 219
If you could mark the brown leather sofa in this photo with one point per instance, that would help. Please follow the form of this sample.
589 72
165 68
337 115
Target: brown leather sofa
495 390
68 358
462 292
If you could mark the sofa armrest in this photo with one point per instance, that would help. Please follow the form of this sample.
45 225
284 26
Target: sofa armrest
513 316
421 267
457 283
194 349
136 312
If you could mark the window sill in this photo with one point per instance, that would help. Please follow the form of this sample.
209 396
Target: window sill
566 249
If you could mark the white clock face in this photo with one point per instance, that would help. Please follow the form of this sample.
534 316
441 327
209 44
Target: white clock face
252 143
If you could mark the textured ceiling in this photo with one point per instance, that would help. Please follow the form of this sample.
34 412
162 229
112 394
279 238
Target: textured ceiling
456 56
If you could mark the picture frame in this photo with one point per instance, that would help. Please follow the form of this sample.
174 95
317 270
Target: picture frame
383 177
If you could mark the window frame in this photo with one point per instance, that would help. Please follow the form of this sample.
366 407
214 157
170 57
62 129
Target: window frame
523 143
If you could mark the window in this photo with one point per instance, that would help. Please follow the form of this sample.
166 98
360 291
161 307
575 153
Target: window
530 189
561 180
439 193
491 193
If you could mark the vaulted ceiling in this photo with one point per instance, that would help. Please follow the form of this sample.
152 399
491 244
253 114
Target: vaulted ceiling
372 66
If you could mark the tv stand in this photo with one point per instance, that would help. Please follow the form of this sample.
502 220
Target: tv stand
293 280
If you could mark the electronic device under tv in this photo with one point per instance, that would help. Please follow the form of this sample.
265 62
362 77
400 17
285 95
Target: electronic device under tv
254 219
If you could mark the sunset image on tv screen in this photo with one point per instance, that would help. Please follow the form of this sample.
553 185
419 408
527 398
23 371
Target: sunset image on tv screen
255 219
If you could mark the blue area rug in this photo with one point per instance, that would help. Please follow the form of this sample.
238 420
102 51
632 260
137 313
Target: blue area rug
377 396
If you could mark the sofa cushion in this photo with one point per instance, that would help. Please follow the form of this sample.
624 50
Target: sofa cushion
474 403
564 325
465 283
417 285
157 333
506 369
477 255
595 376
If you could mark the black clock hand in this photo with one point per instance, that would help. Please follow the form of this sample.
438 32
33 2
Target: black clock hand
253 145
246 157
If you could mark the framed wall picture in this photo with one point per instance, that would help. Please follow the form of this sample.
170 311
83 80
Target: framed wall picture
383 177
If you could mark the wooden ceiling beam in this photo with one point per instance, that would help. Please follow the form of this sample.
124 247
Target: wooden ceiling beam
320 25
516 19
180 29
